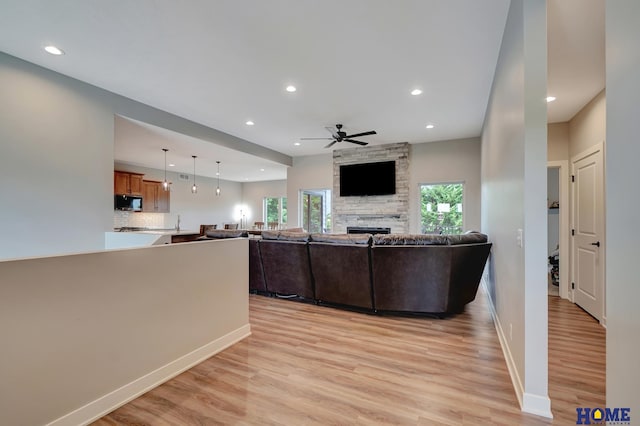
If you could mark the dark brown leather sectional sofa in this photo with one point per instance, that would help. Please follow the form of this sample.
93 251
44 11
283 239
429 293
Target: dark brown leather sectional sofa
418 274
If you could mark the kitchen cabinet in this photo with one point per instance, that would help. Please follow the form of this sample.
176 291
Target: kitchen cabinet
154 198
125 183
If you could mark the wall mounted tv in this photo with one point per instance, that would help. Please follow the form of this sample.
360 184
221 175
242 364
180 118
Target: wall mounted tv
368 179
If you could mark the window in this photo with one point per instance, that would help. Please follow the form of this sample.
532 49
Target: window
441 208
316 210
275 210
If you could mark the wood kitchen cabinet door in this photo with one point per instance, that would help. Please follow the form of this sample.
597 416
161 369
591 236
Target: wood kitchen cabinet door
154 198
125 183
135 184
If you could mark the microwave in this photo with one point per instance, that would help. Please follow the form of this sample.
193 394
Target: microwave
127 202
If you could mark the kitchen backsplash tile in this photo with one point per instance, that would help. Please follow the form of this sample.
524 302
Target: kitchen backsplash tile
144 220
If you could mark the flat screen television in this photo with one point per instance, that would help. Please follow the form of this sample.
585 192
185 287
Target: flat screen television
368 179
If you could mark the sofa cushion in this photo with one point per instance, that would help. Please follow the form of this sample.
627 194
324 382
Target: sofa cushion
285 236
467 238
226 233
341 238
410 239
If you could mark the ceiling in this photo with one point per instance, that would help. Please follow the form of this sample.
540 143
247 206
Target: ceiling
221 63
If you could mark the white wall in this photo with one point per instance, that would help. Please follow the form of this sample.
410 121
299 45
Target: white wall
621 170
253 194
74 349
443 162
202 208
514 164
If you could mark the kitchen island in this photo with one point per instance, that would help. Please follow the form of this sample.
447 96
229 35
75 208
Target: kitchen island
143 237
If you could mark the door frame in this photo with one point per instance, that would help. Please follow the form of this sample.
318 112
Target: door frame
564 230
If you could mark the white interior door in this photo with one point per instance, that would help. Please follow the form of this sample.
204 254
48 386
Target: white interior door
588 229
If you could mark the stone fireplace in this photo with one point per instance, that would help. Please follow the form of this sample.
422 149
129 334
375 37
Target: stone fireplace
378 211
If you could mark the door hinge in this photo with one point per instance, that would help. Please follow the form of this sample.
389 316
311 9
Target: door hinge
573 178
573 286
573 232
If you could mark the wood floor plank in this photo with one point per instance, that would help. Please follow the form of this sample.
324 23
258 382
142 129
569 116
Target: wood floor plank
307 364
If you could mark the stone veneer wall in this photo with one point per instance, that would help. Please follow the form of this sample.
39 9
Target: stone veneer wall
389 211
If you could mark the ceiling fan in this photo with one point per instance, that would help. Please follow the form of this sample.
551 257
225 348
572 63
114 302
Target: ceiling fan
338 136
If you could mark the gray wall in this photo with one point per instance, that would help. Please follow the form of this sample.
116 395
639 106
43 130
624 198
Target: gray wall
514 165
56 158
253 194
444 162
56 163
588 126
621 171
433 162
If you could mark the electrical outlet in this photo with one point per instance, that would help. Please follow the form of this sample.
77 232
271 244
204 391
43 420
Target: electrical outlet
519 238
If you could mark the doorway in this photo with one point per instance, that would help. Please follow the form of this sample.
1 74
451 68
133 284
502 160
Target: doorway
559 192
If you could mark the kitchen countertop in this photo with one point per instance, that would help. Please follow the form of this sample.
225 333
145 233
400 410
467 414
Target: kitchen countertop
166 231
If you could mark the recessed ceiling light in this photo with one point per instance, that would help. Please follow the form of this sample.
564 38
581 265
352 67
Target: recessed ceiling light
551 98
53 50
171 165
430 126
249 123
416 92
262 170
217 173
291 88
296 143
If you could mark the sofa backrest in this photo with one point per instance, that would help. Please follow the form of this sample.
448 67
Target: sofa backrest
364 239
428 239
286 236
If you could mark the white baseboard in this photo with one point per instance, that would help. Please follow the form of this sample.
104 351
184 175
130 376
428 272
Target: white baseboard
109 402
511 365
536 404
529 403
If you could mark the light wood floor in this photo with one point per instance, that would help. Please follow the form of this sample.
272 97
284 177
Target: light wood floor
306 364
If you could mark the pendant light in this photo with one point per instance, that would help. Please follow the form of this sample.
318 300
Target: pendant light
194 188
165 184
218 188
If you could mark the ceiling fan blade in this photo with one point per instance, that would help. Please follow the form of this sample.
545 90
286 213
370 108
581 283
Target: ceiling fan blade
355 135
315 139
356 142
331 144
333 132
